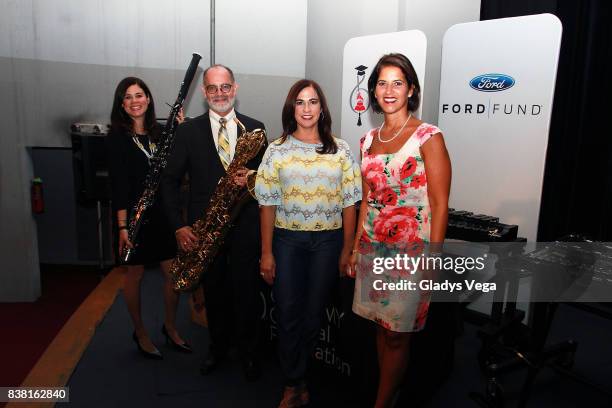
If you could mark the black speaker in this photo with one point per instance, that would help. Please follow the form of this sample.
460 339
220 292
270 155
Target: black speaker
90 165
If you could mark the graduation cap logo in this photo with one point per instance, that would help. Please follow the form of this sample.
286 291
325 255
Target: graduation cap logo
359 99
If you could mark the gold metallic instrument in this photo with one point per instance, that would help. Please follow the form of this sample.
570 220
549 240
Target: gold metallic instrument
211 229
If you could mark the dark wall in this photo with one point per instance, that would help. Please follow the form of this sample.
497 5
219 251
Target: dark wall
68 228
577 192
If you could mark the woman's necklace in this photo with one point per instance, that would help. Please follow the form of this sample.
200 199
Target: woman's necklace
396 133
152 147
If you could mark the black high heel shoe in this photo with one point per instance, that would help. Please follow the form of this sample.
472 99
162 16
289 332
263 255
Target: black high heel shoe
154 355
184 348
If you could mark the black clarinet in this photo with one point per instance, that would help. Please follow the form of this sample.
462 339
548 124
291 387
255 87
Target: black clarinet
159 161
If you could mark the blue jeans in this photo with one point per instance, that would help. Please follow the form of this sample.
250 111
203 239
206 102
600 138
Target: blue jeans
306 271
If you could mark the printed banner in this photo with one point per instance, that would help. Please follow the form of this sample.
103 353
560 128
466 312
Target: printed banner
360 57
496 94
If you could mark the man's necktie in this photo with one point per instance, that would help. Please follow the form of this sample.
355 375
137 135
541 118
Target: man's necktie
223 146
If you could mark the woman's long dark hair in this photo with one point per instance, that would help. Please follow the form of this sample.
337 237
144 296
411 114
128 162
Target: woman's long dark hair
324 123
121 121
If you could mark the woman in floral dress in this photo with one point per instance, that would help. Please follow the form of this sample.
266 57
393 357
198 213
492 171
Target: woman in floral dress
406 176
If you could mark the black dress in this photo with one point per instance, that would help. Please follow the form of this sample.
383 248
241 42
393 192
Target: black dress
128 167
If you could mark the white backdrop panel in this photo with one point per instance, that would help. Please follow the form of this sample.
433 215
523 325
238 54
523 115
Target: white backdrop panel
496 93
365 51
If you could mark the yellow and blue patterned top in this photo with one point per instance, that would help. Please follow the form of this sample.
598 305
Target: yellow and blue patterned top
309 189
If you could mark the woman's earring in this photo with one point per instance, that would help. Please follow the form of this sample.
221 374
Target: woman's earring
322 116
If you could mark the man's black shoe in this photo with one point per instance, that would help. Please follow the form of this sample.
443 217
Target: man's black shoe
209 364
251 369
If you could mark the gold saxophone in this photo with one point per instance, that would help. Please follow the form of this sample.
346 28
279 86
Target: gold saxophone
188 267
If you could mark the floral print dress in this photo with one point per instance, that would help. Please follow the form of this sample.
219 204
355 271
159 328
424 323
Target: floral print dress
397 223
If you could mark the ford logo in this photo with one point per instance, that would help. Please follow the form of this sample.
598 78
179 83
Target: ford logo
492 82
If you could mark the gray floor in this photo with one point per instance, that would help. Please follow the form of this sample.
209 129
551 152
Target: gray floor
113 374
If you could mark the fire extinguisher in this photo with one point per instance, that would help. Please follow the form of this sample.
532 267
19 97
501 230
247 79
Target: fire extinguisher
36 193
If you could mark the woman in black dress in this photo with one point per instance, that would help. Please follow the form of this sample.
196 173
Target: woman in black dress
131 142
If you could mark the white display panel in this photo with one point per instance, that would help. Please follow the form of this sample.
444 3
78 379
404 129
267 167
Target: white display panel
366 51
496 93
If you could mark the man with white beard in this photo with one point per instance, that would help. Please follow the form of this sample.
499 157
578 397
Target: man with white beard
203 149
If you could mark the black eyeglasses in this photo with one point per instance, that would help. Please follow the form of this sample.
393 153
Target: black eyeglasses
212 89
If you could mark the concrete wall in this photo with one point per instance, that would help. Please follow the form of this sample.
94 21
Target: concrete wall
331 24
19 279
264 42
434 17
262 37
60 61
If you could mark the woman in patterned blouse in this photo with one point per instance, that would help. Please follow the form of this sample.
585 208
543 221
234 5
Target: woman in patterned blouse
307 185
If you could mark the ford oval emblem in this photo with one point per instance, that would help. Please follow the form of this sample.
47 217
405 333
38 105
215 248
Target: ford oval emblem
492 82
